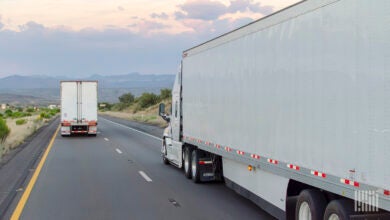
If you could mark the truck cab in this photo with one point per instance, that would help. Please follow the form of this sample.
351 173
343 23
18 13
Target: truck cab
172 145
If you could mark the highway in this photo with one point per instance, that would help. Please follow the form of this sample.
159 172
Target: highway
119 175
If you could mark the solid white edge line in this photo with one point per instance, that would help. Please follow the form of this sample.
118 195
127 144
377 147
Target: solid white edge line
145 176
149 135
106 139
119 151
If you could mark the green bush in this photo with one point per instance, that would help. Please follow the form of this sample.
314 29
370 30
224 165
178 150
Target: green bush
20 114
45 115
30 110
4 130
147 99
20 121
165 94
1 115
8 113
127 98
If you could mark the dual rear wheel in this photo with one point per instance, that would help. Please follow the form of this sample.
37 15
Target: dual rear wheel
312 205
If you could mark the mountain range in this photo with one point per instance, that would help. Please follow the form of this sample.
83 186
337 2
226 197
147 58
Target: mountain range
39 89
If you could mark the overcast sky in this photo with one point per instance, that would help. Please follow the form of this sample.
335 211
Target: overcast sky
85 37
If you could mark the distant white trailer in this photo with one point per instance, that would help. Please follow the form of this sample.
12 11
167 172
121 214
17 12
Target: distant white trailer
79 107
292 110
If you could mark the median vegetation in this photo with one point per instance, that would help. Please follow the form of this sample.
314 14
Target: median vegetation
143 108
17 123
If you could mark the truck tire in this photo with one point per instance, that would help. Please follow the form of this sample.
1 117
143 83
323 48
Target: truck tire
339 209
187 162
164 153
195 169
310 205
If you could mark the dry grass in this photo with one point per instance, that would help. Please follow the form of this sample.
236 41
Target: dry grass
20 132
149 116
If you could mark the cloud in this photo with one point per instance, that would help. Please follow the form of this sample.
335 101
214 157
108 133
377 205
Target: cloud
120 8
163 15
211 10
248 5
203 10
1 26
31 26
67 52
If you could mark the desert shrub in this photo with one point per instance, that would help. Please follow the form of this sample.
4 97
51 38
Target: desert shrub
4 130
8 113
147 99
45 115
119 106
30 110
20 114
20 121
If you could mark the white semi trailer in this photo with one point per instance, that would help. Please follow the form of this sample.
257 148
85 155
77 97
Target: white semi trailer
292 110
78 107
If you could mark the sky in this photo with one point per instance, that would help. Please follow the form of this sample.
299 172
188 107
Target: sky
109 37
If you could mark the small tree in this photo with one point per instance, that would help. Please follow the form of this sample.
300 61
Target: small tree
4 130
126 98
147 99
165 94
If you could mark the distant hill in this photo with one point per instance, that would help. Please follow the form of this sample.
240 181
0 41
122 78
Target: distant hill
45 89
17 100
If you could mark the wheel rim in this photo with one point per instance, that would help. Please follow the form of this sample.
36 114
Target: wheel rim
194 164
186 162
304 211
333 217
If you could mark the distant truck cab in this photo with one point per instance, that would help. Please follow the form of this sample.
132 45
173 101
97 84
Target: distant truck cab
79 107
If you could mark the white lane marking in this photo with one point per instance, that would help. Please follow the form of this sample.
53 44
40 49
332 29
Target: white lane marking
106 139
145 176
149 135
119 151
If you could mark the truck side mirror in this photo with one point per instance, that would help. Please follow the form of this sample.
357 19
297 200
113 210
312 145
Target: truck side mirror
161 109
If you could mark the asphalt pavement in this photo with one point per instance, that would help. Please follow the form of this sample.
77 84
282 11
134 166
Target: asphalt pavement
119 175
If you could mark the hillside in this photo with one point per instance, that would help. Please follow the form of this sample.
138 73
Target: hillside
25 90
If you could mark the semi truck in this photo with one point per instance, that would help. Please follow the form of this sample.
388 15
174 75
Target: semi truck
291 111
79 107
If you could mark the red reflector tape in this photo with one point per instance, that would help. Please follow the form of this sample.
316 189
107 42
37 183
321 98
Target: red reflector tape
217 146
350 182
386 192
316 173
293 167
255 156
240 152
200 141
228 149
272 161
